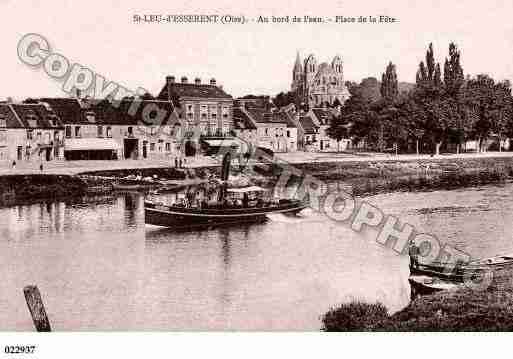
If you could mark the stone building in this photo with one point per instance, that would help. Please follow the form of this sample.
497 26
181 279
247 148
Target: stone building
110 130
205 111
316 84
30 132
274 130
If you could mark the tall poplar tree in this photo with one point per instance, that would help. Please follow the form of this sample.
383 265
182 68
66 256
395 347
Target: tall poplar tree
389 85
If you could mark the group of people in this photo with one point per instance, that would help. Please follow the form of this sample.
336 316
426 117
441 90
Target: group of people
179 163
14 165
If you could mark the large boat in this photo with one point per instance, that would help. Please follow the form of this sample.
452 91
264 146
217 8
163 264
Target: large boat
238 205
234 205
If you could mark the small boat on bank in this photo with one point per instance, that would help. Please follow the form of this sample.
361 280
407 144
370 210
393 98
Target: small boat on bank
232 209
460 272
425 285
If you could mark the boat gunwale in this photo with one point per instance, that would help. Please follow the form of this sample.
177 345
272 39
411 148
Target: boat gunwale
261 212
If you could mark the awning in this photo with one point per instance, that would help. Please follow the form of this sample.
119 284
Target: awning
90 144
247 189
223 143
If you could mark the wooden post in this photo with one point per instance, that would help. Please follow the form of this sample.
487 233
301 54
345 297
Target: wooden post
37 309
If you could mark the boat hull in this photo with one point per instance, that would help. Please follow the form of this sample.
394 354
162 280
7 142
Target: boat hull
425 285
173 217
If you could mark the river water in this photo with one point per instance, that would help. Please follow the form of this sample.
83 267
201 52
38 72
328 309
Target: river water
99 267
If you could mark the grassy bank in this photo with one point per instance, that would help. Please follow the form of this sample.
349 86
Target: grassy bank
33 188
362 178
373 177
169 173
17 189
464 309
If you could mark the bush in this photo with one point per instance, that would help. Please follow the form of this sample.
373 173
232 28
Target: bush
355 316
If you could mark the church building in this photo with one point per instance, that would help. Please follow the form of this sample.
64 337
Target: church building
317 84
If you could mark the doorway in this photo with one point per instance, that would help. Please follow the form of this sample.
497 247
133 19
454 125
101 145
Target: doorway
190 149
145 149
130 146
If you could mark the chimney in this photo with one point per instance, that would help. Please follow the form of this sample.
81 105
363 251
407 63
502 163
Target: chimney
213 82
170 79
197 81
184 80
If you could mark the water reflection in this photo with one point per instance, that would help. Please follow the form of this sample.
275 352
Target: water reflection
101 268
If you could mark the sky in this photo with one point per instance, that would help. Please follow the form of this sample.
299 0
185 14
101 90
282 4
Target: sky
252 58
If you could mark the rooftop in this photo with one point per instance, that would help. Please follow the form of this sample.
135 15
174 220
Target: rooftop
308 124
194 90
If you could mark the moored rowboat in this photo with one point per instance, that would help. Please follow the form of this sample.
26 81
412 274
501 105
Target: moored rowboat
460 272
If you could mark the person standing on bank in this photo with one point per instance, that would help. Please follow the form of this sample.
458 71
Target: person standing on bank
176 162
413 251
14 164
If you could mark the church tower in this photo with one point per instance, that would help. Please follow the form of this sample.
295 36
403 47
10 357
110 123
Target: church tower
297 74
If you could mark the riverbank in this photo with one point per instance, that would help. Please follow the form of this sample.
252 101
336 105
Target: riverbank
31 188
464 309
361 177
373 177
16 189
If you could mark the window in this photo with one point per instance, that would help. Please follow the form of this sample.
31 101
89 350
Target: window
190 112
109 132
53 120
225 112
203 112
288 133
30 134
100 131
213 111
3 121
90 116
168 147
152 146
130 131
38 136
266 131
153 131
68 131
77 131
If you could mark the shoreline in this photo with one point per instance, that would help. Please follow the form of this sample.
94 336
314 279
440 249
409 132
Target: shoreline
360 178
462 309
438 311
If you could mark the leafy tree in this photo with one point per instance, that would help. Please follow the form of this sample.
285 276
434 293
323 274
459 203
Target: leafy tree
453 72
356 112
285 98
389 87
147 96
